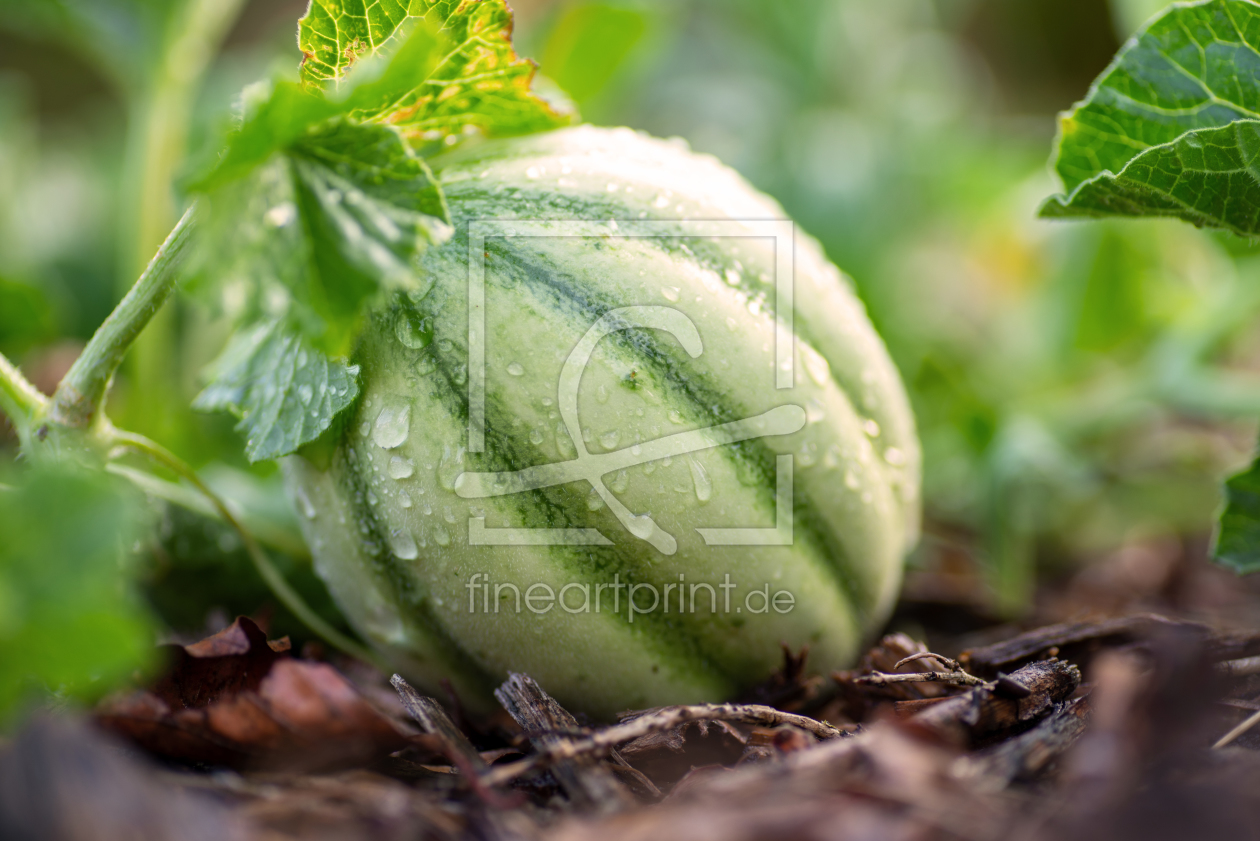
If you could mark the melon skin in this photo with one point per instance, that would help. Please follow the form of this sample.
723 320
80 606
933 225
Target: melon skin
389 530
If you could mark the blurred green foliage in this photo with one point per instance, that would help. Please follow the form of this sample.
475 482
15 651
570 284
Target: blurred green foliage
1077 386
69 621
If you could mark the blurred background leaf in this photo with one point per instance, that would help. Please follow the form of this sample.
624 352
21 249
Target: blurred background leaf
69 621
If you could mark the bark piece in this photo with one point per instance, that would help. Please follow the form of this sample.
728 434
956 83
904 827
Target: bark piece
590 785
986 710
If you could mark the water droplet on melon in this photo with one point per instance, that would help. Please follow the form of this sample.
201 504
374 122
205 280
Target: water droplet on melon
816 366
304 504
516 369
393 424
451 466
700 478
671 293
403 545
594 501
620 482
400 468
610 439
413 330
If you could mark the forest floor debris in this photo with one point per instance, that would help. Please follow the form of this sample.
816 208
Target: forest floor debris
1092 728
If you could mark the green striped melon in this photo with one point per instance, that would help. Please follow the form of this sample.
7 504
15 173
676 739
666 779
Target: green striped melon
391 515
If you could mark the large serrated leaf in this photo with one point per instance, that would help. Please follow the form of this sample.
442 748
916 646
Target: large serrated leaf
1167 130
321 230
285 392
452 71
1209 177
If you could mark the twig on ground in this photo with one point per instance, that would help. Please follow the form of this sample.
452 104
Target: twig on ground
654 721
1252 721
958 678
1243 667
948 662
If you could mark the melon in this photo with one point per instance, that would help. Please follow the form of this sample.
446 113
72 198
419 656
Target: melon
620 472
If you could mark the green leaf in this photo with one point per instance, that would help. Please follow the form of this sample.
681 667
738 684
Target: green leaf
70 620
322 204
1169 130
286 393
452 70
322 230
1238 535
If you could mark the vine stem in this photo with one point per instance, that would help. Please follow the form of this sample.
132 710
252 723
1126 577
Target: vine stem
281 587
20 400
80 395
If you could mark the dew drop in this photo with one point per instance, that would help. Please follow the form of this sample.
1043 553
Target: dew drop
620 482
807 455
441 536
851 480
816 366
305 394
445 345
831 458
733 277
304 504
516 369
601 394
392 426
563 443
403 545
594 501
610 439
400 468
450 467
814 411
365 429
404 499
448 515
675 416
372 498
894 456
426 366
412 330
535 436
700 477
871 428
671 293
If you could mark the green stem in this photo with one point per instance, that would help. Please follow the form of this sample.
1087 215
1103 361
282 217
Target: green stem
81 393
289 597
160 113
20 400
